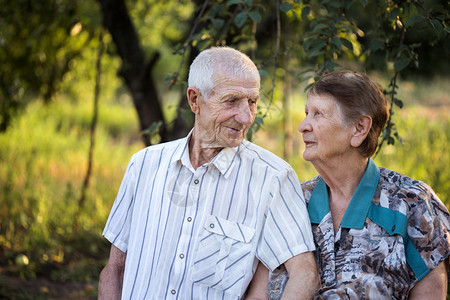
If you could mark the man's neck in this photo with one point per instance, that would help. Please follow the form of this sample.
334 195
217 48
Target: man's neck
199 155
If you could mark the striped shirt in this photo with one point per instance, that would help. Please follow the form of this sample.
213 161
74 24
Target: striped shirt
196 234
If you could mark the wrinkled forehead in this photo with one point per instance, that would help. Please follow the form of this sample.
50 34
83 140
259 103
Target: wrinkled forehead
247 81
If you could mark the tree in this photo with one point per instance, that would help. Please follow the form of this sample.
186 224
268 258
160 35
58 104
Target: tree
302 37
37 45
327 32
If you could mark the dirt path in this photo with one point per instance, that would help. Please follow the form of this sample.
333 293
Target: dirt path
42 288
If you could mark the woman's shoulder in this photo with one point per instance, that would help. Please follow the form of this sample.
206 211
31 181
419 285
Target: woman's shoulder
403 193
399 184
308 187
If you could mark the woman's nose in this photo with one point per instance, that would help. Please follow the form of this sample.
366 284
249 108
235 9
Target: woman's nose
304 125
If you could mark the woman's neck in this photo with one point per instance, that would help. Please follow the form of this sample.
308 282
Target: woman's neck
342 178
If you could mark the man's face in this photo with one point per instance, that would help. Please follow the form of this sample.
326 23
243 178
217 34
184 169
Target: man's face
224 119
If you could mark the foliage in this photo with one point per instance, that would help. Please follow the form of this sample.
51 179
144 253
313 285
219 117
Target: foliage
50 57
38 42
328 31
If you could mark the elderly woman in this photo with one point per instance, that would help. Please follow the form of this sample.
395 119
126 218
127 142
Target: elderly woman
378 234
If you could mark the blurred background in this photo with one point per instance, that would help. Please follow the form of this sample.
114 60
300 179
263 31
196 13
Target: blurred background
85 84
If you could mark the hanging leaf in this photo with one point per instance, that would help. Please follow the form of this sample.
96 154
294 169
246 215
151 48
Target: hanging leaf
263 73
285 7
376 44
240 19
336 42
231 2
413 20
305 12
255 16
398 102
347 44
401 64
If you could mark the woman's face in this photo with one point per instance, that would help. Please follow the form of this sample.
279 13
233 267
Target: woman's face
324 133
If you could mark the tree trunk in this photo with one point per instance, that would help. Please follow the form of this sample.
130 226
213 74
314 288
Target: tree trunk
135 70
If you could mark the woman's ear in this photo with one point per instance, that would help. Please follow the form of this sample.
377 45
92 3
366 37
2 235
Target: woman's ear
193 96
361 130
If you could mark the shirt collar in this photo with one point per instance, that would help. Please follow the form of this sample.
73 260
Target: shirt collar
223 161
358 208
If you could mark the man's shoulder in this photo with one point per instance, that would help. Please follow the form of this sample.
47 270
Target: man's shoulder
249 150
168 147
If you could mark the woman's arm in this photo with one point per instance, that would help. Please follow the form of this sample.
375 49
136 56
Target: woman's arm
432 286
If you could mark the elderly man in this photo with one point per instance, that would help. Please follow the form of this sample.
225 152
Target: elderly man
193 217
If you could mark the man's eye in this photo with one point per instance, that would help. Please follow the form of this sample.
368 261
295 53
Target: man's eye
252 102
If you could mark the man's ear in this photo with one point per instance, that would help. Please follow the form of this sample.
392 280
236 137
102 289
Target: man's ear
193 96
361 130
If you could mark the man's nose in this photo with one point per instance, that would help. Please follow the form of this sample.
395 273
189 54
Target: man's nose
245 115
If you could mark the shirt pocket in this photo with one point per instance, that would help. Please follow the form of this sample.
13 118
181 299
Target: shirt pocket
223 255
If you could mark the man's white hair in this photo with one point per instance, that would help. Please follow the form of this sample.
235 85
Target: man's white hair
219 60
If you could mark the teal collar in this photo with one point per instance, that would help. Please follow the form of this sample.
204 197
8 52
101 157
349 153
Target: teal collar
358 208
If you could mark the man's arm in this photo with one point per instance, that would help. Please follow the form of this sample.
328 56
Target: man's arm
432 286
111 277
304 278
259 285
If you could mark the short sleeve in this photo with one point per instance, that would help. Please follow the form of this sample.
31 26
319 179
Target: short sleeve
117 228
428 227
287 230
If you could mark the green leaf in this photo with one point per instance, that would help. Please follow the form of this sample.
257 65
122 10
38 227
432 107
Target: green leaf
316 47
285 7
255 16
437 26
376 44
330 65
319 27
240 19
401 64
336 42
393 14
413 20
305 12
263 73
347 43
231 2
218 23
398 102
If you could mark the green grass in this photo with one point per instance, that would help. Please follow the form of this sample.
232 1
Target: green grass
43 160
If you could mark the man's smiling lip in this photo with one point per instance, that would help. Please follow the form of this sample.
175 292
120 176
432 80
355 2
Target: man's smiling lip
308 143
234 129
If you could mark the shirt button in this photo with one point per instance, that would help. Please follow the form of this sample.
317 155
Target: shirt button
211 225
181 255
173 292
196 181
189 219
